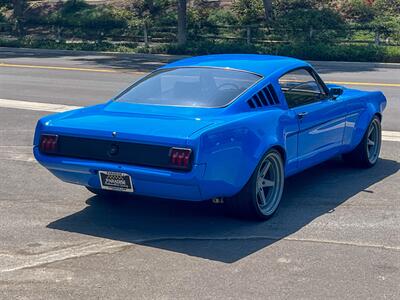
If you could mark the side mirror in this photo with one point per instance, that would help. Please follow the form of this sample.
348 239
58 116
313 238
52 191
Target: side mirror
335 92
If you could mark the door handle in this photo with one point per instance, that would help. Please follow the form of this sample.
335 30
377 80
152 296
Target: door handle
301 115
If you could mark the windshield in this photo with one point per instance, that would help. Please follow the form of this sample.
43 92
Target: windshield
190 87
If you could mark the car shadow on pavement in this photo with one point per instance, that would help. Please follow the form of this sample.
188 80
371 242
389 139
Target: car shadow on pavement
203 230
138 62
142 62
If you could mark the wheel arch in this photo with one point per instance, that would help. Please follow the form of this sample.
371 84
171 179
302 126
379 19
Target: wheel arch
379 115
281 151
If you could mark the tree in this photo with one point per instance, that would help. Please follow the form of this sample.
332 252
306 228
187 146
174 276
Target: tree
18 13
248 12
267 9
146 13
18 8
182 22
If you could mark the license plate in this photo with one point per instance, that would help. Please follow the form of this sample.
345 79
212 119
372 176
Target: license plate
115 181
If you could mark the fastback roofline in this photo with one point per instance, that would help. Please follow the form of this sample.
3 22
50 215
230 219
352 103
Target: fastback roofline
166 67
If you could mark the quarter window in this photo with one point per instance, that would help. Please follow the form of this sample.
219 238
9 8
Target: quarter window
300 88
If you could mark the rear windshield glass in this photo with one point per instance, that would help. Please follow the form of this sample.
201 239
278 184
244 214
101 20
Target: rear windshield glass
190 87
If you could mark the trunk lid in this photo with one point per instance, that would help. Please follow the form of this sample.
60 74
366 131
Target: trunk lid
148 124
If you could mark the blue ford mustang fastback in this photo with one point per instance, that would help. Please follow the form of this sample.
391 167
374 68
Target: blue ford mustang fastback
224 127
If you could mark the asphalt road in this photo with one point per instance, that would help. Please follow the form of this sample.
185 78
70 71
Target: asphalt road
336 234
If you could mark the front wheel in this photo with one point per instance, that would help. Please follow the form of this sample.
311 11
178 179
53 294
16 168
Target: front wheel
260 197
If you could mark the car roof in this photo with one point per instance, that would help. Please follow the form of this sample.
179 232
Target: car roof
264 65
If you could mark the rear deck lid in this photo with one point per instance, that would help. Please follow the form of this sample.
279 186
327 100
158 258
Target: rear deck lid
130 122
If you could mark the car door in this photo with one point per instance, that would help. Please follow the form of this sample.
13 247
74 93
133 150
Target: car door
321 119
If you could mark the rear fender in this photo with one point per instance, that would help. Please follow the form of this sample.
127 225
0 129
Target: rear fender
232 150
375 104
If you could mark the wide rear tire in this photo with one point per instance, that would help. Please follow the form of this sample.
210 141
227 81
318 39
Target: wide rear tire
366 154
260 197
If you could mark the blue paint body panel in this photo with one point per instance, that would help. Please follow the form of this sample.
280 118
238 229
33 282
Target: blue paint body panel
227 142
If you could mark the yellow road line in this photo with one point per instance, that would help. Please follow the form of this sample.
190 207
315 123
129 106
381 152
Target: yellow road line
118 71
364 83
59 68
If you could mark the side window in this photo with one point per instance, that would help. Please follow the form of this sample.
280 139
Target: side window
300 87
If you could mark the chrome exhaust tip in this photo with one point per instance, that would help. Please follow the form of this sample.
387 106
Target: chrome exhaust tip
218 200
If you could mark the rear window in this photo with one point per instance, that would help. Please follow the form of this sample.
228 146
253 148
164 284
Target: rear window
190 87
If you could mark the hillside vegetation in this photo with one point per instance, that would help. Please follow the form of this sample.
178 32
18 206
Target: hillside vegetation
361 30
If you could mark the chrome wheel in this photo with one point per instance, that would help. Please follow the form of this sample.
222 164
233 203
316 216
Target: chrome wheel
269 185
373 141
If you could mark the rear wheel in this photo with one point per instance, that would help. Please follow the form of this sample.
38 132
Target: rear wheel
367 152
260 197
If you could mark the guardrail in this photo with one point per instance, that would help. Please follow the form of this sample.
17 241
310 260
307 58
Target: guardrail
246 34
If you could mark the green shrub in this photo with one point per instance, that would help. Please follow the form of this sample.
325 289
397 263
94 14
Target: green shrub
221 17
310 24
248 12
79 19
73 6
357 11
316 51
339 52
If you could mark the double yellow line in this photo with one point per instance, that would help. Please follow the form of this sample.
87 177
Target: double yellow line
364 83
95 70
58 68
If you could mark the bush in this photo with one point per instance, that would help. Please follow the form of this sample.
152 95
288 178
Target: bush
73 6
357 11
302 21
80 19
317 51
339 52
248 12
99 17
221 17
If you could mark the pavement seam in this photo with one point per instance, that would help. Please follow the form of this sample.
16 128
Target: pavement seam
290 239
109 247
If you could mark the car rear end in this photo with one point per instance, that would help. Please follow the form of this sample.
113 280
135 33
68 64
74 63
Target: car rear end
150 140
125 158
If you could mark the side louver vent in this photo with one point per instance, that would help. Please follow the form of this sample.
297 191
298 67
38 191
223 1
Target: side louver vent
265 97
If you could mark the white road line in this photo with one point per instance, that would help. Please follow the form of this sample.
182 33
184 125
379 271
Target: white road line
392 136
38 106
17 153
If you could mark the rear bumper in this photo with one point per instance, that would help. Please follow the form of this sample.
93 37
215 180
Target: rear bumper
147 181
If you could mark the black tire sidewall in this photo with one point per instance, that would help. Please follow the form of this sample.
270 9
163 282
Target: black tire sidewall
253 184
365 141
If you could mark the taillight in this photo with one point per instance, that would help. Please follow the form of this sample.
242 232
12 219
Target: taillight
48 143
180 157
